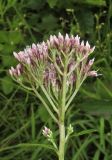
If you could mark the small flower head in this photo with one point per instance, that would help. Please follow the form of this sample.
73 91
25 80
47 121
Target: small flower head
15 72
91 61
47 132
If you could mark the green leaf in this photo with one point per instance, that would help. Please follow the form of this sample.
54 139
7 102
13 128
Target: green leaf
26 145
8 61
15 37
95 2
102 132
11 37
49 22
104 89
91 2
35 4
97 155
52 3
4 36
97 107
43 114
88 131
83 146
7 85
86 20
33 123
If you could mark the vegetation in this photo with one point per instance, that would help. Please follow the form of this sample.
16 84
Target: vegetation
22 115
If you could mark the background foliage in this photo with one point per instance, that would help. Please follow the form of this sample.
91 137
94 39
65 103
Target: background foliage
22 116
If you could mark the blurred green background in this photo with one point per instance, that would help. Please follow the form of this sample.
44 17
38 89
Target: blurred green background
22 116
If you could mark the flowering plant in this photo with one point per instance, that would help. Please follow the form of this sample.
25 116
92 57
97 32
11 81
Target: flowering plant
57 68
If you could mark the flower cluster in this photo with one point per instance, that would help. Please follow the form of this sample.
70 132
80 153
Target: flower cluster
29 55
67 44
16 71
48 60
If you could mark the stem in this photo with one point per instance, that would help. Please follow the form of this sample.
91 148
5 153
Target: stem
62 141
62 117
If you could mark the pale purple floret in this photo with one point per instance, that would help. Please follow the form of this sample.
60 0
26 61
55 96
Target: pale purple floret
29 54
69 43
16 71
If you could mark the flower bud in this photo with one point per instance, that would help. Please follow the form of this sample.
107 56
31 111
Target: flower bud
70 129
91 62
93 73
47 132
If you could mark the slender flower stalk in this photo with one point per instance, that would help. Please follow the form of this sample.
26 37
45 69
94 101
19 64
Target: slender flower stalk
57 68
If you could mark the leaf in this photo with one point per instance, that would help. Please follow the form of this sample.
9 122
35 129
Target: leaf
7 85
52 3
91 2
26 145
8 61
97 155
104 89
35 4
11 37
33 123
97 107
15 37
43 114
86 20
49 22
102 132
4 36
83 146
88 131
96 2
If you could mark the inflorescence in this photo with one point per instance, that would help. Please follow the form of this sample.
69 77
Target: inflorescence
44 63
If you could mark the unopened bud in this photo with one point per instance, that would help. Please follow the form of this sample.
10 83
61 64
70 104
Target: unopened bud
47 132
70 129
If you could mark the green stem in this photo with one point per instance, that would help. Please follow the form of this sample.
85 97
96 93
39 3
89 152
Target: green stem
62 118
62 141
